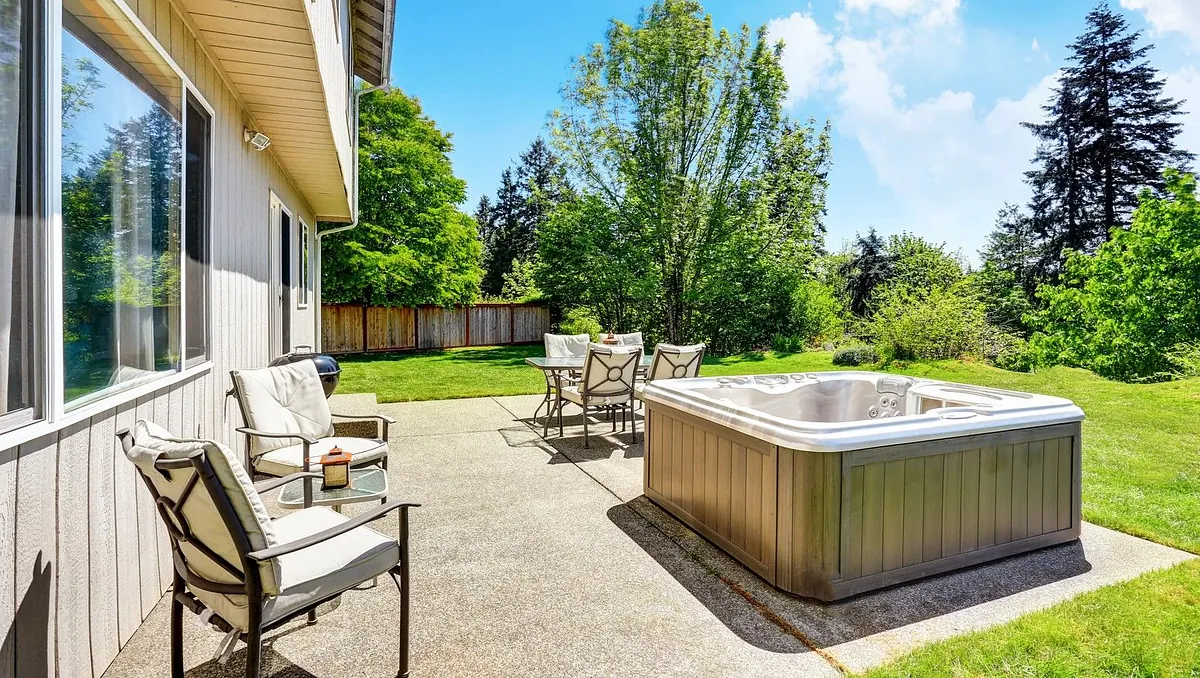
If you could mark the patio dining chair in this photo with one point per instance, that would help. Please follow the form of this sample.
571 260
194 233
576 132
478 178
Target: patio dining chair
631 339
675 362
560 346
239 569
288 424
609 377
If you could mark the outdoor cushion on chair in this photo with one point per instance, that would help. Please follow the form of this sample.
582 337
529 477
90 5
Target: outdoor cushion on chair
572 394
295 579
283 399
330 567
290 459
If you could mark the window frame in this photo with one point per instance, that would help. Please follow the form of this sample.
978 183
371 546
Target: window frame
303 264
54 411
190 91
45 70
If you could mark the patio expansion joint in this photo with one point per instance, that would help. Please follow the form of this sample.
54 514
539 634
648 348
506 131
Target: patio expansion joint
760 607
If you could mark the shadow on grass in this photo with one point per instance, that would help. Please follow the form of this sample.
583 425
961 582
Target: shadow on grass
703 568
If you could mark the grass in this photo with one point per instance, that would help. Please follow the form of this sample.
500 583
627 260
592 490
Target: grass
1141 475
1144 627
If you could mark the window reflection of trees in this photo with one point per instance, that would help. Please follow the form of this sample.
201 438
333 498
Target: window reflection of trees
120 241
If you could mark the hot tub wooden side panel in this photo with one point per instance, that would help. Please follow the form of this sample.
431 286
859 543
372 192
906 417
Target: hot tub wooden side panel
719 482
953 503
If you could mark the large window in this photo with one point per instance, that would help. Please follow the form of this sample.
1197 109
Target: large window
22 297
196 229
121 173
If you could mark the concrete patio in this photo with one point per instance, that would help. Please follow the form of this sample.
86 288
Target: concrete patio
541 558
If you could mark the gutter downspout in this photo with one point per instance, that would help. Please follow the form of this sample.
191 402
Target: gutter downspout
387 87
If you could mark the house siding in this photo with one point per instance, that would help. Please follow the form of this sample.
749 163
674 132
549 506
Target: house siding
83 556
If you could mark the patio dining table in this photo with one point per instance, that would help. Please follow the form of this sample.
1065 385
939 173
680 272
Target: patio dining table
555 368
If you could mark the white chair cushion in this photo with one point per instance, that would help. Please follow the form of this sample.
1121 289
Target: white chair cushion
572 394
566 345
286 460
151 442
283 399
630 339
317 572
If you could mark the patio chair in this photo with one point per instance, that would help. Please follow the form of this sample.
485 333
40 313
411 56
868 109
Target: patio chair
560 346
287 423
246 572
609 376
631 339
675 362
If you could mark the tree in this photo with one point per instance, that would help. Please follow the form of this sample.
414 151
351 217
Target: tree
412 244
869 267
1109 132
922 266
1012 260
528 193
668 124
1126 310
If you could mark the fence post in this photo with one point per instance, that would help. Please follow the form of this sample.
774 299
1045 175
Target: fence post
467 310
364 328
512 323
416 328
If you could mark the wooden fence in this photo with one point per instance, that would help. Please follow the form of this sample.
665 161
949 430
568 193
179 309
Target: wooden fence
347 328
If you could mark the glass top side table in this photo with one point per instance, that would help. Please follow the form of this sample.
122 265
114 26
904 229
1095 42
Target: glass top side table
366 484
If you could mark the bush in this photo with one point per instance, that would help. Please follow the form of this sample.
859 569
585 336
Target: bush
1129 311
782 343
853 356
817 315
933 325
581 321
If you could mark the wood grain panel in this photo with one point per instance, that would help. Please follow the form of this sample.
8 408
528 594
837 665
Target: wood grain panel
1020 491
1035 476
893 514
854 558
73 614
102 542
952 510
970 498
36 565
725 489
147 526
8 554
126 510
932 508
873 502
914 505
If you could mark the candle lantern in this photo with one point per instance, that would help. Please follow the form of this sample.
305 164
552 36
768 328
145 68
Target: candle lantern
610 340
335 469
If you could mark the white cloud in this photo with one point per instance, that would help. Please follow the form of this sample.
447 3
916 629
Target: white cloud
807 55
928 11
1165 16
1036 47
1185 84
949 161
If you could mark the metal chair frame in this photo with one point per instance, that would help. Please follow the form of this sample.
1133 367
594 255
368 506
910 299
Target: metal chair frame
307 441
248 576
585 391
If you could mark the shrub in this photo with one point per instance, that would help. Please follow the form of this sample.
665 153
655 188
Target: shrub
581 320
854 356
934 325
782 343
1124 311
817 315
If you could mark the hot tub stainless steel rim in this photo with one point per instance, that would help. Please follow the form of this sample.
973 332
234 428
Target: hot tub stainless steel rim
833 484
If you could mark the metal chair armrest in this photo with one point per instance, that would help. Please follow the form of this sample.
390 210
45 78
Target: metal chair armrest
378 417
325 535
253 432
271 484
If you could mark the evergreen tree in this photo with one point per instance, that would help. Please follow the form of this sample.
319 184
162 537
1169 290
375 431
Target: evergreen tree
869 267
1012 263
1109 133
527 194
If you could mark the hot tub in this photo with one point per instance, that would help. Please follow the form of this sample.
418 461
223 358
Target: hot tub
828 485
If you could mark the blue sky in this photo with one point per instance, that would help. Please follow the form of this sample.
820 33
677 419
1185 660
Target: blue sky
925 96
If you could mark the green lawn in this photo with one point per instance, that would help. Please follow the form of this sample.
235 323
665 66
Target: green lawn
1141 475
